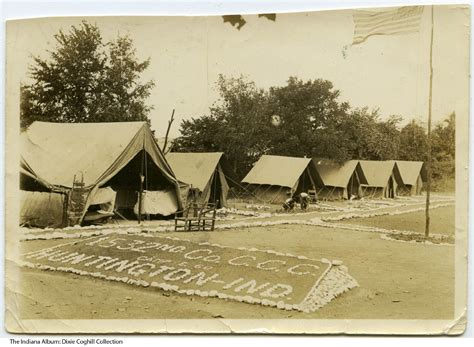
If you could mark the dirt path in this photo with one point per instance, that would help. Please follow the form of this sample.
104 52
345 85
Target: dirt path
353 210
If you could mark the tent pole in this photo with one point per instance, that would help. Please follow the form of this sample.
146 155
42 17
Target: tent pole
145 165
430 99
311 179
357 182
140 194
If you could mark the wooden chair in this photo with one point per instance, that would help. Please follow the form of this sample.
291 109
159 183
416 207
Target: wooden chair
196 217
208 217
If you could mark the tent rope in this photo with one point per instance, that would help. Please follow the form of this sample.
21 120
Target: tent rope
245 189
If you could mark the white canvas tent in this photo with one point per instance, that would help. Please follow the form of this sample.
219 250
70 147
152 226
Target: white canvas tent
203 174
77 159
275 178
339 180
383 179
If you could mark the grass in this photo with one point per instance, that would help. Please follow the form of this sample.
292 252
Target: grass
441 221
444 185
421 238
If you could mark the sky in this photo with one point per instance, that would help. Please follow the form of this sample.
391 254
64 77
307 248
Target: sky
188 53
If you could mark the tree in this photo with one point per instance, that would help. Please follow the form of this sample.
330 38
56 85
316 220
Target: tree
124 95
311 115
238 125
443 147
315 123
388 141
86 80
312 122
365 136
413 142
443 140
26 107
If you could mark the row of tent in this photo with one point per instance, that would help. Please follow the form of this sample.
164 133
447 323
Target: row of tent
68 171
274 178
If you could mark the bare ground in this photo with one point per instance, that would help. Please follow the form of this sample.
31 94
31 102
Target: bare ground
397 280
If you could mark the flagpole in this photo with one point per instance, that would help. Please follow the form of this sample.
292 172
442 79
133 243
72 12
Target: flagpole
428 168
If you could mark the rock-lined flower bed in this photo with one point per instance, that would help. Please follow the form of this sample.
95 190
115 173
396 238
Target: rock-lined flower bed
434 239
253 276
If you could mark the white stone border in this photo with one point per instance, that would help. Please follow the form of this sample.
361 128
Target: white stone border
386 203
429 243
152 231
383 213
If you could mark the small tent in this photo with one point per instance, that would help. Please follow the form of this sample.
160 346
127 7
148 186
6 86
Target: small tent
339 180
275 178
383 179
95 163
203 174
413 174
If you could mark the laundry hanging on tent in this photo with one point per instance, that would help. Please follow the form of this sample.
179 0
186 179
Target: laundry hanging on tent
105 197
160 202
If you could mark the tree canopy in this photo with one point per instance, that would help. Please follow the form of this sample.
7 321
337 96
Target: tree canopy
443 148
85 79
301 118
413 142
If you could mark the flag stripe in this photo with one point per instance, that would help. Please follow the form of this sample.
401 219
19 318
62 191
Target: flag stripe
406 30
395 21
399 31
374 16
403 20
385 14
413 23
361 39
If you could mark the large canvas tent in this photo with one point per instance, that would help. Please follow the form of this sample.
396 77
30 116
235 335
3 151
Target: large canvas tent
339 180
274 178
42 209
413 174
85 160
203 174
383 179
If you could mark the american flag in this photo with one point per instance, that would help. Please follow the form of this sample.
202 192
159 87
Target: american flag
401 20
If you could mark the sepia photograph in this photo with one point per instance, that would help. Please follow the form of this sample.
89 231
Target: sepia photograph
301 172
